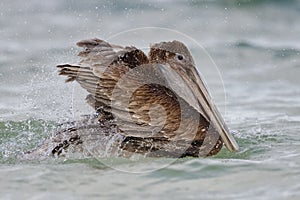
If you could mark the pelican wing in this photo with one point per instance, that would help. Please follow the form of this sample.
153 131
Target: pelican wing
101 66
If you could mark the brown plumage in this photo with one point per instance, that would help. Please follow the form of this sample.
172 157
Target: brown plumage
158 103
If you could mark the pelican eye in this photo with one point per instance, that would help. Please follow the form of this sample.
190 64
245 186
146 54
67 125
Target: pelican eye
180 57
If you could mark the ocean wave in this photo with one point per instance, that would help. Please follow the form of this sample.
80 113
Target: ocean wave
291 3
281 49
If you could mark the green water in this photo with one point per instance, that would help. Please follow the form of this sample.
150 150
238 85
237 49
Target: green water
255 45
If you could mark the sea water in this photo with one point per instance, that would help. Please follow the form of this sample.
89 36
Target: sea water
255 46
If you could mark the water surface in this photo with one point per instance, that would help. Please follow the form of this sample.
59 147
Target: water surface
255 45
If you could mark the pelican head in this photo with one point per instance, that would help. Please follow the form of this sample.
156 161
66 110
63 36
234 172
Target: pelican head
176 56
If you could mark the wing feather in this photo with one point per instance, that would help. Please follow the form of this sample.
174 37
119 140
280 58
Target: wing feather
100 68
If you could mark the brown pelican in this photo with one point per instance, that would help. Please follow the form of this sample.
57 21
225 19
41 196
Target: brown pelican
155 105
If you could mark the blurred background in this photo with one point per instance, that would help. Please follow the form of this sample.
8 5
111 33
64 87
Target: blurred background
254 52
